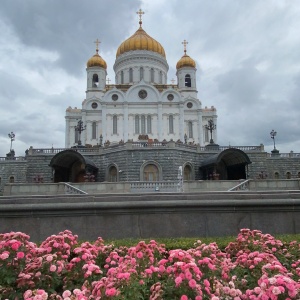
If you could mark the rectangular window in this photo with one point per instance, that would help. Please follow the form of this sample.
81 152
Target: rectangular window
94 133
190 127
137 124
115 124
206 136
149 127
143 125
171 124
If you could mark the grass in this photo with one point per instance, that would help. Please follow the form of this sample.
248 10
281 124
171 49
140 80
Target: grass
187 243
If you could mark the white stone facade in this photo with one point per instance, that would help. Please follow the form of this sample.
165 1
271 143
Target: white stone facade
140 103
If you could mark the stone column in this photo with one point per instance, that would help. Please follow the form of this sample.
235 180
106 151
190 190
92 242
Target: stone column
181 121
83 133
125 122
87 130
200 127
104 123
159 121
67 137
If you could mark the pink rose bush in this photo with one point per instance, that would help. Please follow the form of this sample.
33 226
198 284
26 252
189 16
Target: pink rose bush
254 266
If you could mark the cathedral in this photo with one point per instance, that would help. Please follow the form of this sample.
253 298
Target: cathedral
141 105
143 129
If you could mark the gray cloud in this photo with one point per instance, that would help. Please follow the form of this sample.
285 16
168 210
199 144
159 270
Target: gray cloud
247 55
69 27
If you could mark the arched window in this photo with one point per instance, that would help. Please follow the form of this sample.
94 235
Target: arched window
11 179
171 124
152 74
187 173
115 124
141 73
187 81
190 129
151 173
130 75
137 124
95 80
122 77
288 175
94 130
112 174
149 125
160 77
143 124
276 175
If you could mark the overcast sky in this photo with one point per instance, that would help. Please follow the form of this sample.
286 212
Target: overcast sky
247 54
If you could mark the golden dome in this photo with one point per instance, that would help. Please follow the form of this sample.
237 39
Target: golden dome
96 61
140 40
185 61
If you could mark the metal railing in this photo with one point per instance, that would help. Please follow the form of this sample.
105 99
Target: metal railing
16 158
144 144
243 186
70 189
285 155
153 186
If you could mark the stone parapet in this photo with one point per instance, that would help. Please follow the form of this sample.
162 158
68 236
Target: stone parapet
154 215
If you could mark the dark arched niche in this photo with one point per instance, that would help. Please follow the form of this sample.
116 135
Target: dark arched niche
230 164
71 166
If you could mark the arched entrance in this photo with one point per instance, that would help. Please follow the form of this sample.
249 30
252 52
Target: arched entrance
188 172
71 166
112 174
230 164
151 173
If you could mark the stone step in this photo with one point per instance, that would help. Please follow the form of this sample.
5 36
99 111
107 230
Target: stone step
155 197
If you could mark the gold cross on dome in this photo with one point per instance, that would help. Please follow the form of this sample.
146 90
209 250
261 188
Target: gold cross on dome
108 80
140 13
97 42
184 45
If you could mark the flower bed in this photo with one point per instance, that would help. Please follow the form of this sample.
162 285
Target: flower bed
254 266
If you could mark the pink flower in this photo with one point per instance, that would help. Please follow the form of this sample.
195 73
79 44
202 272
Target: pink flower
184 297
49 258
139 254
148 271
66 293
15 246
110 292
27 294
188 275
53 268
4 255
192 283
20 255
178 280
206 283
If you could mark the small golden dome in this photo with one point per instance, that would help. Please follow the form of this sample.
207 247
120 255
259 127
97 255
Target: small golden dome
140 40
96 61
185 61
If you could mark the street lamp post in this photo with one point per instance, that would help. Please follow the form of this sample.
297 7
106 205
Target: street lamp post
273 134
12 138
274 152
211 127
79 127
